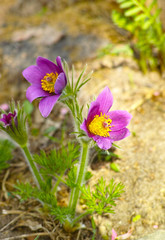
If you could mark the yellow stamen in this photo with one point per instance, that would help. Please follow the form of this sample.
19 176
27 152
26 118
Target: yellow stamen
100 125
47 83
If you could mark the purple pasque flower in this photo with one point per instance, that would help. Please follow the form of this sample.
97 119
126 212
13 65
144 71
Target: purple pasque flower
103 126
7 119
48 81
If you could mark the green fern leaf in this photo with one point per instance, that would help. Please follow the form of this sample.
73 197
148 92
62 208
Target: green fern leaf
140 17
153 4
132 11
146 25
126 4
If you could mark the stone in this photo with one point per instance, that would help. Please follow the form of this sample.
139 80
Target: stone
158 235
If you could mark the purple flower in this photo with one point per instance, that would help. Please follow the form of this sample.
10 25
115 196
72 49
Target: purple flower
103 126
48 81
7 119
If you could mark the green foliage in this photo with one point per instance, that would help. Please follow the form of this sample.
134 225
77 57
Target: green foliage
55 164
88 175
61 213
103 198
57 161
136 218
69 96
28 107
113 49
106 155
26 191
36 238
6 148
71 179
114 167
143 22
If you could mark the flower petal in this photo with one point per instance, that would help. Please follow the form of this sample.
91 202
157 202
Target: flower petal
46 65
103 142
119 135
60 83
3 119
33 74
120 119
59 64
105 99
85 128
35 91
93 110
47 103
114 234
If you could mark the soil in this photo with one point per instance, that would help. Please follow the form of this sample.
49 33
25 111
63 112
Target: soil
141 156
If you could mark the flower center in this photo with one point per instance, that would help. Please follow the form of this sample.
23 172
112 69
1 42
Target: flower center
100 125
47 83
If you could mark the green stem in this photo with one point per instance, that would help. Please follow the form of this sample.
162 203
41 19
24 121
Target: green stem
59 179
80 178
33 167
79 217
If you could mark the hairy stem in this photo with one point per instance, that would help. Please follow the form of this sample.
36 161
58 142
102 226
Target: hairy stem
80 177
33 167
79 217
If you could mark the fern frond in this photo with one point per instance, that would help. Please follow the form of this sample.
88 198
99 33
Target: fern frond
27 191
57 161
144 23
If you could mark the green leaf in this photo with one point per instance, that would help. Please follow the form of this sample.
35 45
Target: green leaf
153 3
114 167
147 24
60 213
140 17
57 161
136 218
28 107
157 13
6 148
72 175
88 175
50 129
79 79
36 238
27 191
103 198
126 4
115 145
132 11
123 50
143 22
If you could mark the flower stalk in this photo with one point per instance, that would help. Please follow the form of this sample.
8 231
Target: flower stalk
33 167
80 177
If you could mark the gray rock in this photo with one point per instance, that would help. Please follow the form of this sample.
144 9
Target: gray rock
158 235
